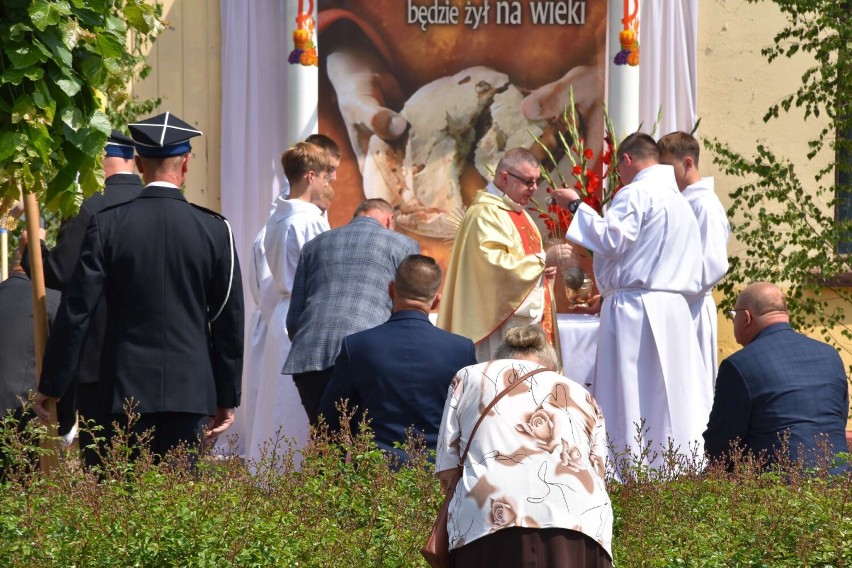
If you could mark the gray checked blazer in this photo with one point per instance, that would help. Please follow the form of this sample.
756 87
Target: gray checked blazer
341 287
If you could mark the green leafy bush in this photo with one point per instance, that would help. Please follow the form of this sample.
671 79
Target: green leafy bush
349 506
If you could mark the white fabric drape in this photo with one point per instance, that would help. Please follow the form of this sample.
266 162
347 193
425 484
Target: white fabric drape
668 77
255 45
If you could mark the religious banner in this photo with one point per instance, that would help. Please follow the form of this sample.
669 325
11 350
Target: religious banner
424 96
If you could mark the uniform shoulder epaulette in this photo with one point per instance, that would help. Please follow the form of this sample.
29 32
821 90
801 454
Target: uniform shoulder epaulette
209 212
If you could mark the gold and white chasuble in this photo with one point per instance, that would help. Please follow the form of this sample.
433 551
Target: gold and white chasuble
495 277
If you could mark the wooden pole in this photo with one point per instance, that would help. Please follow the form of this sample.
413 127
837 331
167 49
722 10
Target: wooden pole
50 461
4 255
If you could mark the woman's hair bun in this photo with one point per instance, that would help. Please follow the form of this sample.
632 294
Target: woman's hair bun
526 337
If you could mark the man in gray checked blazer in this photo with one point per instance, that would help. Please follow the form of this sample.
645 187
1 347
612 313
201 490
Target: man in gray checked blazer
341 287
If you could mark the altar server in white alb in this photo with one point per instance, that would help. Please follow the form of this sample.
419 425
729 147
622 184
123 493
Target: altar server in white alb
647 261
296 219
680 150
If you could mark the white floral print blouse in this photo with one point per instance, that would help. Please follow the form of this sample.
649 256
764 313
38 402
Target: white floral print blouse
536 461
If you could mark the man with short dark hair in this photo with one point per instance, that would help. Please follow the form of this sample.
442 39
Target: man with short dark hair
171 280
647 262
340 288
398 372
781 383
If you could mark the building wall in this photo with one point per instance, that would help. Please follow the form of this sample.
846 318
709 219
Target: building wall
736 86
186 72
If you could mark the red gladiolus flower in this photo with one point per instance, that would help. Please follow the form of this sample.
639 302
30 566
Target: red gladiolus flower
592 202
578 185
588 154
594 183
578 169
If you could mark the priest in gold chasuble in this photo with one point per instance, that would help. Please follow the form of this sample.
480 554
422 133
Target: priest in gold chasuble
496 277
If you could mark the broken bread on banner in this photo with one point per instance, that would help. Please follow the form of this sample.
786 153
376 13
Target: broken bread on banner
457 123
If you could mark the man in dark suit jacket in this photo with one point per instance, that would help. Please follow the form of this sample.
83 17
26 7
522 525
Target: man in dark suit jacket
171 280
17 342
121 186
399 372
780 383
340 288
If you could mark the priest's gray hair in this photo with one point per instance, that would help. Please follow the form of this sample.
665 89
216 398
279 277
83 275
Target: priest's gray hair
514 158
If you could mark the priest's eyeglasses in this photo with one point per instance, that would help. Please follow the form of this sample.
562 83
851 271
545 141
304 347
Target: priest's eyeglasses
733 313
527 182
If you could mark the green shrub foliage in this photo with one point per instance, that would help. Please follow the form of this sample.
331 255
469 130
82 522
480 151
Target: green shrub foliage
349 506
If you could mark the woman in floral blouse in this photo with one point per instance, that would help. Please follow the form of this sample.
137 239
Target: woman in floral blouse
532 491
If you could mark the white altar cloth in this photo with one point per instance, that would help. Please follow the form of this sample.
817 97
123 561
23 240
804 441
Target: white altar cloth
578 338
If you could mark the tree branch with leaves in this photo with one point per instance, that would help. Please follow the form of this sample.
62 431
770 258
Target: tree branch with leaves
785 224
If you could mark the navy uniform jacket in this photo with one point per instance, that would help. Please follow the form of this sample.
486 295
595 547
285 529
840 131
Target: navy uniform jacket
165 269
400 373
781 381
59 262
340 287
17 342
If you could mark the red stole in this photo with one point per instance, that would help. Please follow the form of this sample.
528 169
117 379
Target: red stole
531 239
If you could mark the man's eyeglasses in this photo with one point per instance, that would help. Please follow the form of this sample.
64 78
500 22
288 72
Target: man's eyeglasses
527 182
733 313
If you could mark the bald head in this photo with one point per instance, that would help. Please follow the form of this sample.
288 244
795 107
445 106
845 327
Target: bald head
762 298
758 306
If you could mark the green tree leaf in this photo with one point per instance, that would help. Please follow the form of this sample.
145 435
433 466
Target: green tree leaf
100 122
18 31
11 142
92 68
25 56
44 13
109 45
69 85
44 100
52 38
72 118
39 138
24 110
91 180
